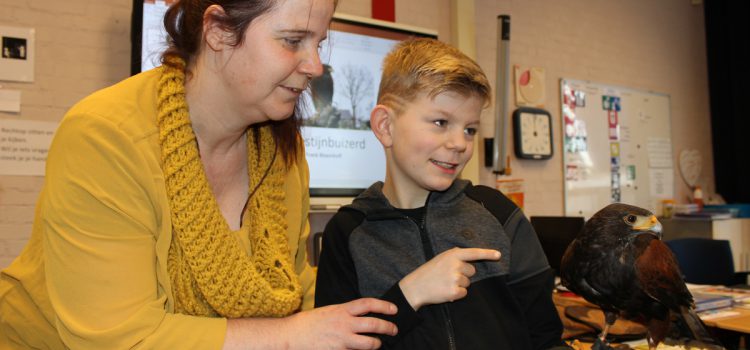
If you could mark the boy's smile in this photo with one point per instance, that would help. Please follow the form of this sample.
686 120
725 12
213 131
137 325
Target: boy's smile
430 142
448 168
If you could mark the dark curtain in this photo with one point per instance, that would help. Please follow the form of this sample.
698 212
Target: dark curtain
727 43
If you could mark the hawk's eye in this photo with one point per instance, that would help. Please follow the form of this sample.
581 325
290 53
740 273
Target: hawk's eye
631 219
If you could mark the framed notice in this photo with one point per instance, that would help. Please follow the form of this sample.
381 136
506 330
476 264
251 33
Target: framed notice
17 59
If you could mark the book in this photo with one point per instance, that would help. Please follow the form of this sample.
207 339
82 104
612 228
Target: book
704 215
704 301
739 295
717 313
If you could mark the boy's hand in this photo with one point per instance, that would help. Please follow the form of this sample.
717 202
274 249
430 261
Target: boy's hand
445 277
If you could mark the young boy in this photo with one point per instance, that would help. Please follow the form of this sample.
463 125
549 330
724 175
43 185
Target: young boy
461 262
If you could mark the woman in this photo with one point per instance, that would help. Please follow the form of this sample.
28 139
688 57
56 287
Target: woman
174 210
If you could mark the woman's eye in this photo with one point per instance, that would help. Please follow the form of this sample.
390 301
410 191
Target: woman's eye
292 41
470 131
441 122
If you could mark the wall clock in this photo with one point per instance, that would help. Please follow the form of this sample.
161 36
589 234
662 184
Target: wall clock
532 133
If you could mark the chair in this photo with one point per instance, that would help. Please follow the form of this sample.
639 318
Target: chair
555 233
706 261
315 244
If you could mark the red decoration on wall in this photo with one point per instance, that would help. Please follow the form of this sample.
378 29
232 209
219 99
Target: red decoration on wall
384 10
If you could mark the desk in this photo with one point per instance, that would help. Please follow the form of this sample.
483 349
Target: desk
737 323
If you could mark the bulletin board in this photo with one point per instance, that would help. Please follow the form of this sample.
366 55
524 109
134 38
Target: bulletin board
617 147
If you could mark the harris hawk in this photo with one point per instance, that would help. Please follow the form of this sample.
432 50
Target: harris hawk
619 263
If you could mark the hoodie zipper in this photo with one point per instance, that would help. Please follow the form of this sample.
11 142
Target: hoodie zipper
429 254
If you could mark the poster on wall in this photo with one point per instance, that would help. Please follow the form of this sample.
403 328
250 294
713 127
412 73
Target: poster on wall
17 60
529 86
24 145
511 188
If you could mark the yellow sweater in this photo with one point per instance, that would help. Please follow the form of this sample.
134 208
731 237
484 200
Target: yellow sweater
94 274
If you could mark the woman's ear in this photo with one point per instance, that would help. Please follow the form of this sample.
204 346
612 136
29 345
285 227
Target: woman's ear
381 120
214 34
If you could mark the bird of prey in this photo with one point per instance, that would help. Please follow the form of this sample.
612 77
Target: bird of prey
322 89
619 263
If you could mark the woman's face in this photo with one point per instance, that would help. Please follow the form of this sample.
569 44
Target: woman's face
265 76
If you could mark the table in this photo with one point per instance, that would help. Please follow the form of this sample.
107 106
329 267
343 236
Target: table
737 323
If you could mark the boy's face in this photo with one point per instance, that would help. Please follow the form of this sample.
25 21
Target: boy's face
432 140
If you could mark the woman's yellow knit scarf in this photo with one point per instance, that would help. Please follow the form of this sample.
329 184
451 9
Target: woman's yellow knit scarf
211 273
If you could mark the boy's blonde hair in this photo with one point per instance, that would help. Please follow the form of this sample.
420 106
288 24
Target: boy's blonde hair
429 66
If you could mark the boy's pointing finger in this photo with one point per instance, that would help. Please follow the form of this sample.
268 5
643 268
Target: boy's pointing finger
472 254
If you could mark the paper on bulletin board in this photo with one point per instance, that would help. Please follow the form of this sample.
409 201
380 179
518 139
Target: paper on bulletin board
659 152
24 145
661 182
511 188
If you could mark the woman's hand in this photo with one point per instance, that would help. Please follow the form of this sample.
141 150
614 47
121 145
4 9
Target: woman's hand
445 277
340 326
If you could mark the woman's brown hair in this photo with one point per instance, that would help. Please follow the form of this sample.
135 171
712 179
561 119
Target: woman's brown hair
184 24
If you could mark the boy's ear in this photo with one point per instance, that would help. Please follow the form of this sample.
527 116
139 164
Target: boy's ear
381 119
216 36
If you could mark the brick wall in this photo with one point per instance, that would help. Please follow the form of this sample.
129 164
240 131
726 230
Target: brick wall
640 44
81 46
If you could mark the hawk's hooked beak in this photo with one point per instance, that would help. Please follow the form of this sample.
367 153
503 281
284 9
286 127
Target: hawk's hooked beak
649 225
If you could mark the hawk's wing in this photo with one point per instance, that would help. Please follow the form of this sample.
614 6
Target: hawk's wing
659 275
